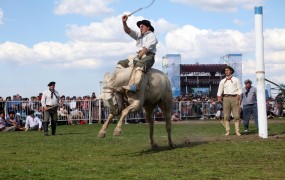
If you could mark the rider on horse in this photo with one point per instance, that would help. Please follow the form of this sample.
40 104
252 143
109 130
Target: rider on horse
146 49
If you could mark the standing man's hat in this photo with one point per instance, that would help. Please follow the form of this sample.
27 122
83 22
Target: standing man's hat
228 67
146 23
247 81
51 83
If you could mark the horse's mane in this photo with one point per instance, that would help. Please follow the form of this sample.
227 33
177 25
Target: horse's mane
121 77
118 78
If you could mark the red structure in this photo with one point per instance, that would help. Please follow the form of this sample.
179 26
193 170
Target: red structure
200 78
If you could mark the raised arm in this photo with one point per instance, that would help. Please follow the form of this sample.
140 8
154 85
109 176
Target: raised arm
125 25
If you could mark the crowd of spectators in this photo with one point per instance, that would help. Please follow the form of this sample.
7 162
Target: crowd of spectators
208 107
70 108
84 107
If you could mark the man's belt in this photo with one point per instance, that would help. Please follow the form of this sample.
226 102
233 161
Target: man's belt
51 105
149 53
230 95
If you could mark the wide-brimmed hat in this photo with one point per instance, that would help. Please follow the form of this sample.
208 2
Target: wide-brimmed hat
51 83
146 23
227 67
247 81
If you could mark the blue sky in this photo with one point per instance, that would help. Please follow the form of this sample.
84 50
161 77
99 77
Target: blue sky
75 42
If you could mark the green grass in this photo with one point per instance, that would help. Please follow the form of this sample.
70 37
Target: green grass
202 153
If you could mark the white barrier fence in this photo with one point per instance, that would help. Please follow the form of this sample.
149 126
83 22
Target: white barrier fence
88 111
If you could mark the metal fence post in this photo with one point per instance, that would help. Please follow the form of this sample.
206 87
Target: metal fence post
100 112
90 110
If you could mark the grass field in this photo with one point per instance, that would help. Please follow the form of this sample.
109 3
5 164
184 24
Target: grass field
202 153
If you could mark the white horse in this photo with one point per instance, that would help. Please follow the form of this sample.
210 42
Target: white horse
154 90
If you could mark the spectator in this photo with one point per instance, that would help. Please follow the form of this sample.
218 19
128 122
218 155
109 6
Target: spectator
33 123
32 103
249 104
3 127
9 103
94 107
79 103
17 103
76 114
40 96
219 116
279 104
85 106
158 115
176 116
72 104
2 104
271 113
11 120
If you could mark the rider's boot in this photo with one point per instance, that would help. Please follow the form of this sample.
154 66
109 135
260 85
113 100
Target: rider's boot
135 80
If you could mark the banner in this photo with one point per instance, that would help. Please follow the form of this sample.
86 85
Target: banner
171 67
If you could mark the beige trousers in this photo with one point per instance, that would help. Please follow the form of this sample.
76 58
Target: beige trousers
231 104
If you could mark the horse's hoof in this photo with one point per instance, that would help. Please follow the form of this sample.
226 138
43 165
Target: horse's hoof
101 135
154 146
117 133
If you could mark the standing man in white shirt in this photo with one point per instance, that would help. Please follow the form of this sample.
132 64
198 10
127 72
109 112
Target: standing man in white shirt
50 102
33 123
229 92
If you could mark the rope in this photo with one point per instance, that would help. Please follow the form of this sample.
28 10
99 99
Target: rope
141 8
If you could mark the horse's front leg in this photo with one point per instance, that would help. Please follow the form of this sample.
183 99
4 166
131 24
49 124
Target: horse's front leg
118 129
125 112
102 132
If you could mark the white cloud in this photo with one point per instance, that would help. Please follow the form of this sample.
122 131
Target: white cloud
238 22
1 16
162 26
83 7
206 43
14 52
106 31
221 5
91 48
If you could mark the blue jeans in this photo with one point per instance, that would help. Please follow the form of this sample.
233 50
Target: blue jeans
248 110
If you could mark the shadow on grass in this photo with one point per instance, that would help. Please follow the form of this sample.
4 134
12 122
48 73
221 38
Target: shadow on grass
163 148
177 146
70 133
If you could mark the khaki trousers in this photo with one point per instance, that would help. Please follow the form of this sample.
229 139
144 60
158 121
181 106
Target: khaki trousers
231 104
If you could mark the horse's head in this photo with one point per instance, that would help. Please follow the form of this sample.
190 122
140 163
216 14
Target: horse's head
111 97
